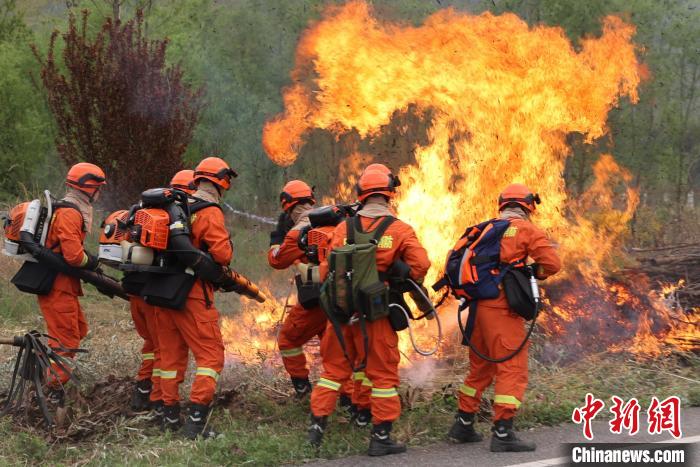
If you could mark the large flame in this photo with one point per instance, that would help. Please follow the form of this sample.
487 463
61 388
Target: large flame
500 98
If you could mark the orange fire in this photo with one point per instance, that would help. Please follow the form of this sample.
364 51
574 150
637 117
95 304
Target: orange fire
501 98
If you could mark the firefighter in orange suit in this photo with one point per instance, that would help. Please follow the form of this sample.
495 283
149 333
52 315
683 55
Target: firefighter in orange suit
147 394
196 327
375 188
61 308
498 331
300 325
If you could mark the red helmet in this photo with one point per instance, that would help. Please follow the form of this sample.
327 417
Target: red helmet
519 194
184 181
216 170
86 177
295 192
379 180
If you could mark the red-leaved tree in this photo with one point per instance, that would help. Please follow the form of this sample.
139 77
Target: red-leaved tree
118 104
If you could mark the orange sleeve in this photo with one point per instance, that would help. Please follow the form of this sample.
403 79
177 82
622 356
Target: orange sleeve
284 255
411 251
68 225
211 227
541 250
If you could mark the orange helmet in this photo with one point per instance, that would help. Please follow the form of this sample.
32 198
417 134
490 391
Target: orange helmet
295 192
86 177
183 181
519 194
378 180
216 170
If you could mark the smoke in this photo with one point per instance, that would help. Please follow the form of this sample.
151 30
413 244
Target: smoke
420 374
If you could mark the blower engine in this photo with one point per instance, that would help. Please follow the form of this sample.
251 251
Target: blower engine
113 234
156 240
29 216
315 239
26 229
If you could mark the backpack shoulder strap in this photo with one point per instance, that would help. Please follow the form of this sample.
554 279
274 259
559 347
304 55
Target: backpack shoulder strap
381 228
62 204
350 235
200 204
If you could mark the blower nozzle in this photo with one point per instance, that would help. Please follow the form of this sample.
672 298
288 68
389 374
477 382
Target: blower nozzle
236 282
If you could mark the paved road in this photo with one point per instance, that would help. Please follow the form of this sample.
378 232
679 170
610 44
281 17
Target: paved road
548 452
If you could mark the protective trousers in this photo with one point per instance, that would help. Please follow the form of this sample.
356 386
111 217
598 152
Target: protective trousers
381 371
299 327
66 322
194 328
497 333
145 321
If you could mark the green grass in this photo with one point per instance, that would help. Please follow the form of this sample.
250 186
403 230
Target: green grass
260 428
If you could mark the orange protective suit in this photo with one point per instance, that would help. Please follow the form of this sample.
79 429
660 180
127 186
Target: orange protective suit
146 323
498 331
300 324
382 366
61 309
196 327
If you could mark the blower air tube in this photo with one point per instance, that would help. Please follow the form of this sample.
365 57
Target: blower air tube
105 284
202 264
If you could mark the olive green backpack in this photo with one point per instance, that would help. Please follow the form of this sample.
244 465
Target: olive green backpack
353 284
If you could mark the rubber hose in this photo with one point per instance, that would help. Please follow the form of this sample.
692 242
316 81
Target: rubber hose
507 357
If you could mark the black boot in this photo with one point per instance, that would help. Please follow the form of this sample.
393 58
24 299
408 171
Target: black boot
302 387
140 397
316 430
463 429
196 423
156 414
363 417
504 439
346 406
56 396
171 418
381 444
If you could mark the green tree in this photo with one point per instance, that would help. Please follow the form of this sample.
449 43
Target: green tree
25 139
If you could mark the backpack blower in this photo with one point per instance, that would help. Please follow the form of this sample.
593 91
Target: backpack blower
473 272
157 242
26 229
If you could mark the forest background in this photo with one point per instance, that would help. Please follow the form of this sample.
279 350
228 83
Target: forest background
241 51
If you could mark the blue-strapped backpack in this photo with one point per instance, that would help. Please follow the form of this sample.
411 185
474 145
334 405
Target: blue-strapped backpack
473 269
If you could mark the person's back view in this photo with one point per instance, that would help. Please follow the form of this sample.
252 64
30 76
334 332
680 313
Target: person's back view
498 330
394 240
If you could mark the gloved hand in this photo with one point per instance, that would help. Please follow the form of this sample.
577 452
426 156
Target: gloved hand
92 262
284 225
398 275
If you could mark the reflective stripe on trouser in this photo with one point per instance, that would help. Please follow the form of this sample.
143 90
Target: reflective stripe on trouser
497 332
362 390
146 324
65 321
194 328
382 368
335 368
207 372
299 327
328 384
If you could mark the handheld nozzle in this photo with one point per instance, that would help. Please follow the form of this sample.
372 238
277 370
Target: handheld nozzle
235 282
